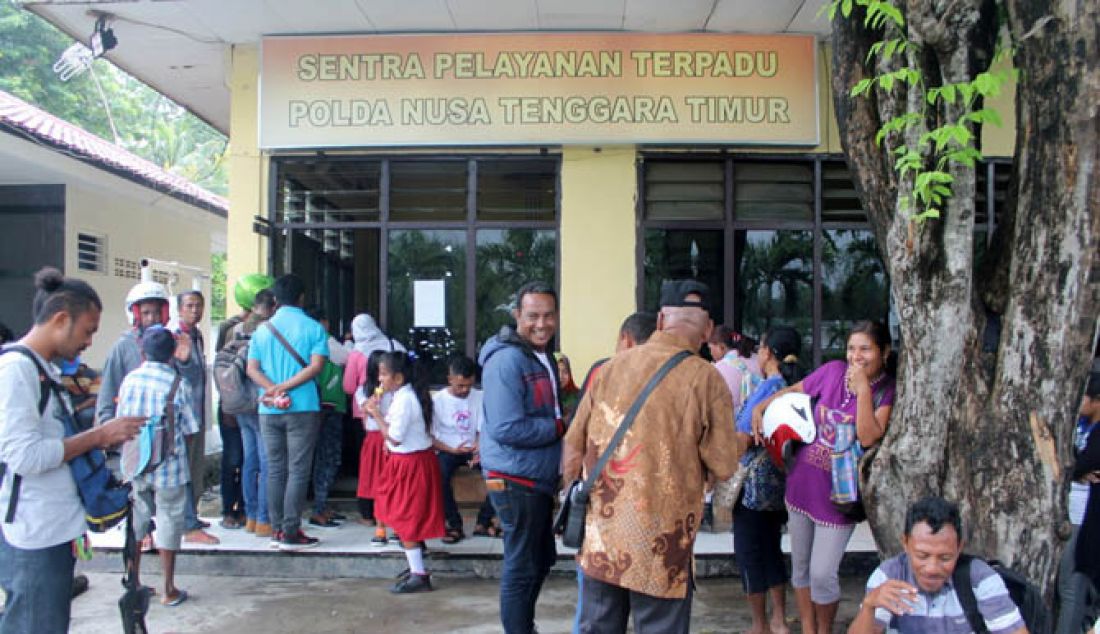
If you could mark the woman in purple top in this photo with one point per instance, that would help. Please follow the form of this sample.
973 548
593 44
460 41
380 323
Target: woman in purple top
857 390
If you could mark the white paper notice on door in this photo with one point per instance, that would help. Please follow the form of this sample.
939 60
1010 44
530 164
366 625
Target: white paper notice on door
429 304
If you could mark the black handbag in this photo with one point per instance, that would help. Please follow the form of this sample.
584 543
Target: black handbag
571 515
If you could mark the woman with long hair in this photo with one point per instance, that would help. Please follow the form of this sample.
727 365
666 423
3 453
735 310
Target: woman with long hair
857 391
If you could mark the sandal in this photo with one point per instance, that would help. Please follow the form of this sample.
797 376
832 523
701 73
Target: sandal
487 531
453 536
181 596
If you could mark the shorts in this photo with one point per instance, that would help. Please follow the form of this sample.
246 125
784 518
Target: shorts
167 505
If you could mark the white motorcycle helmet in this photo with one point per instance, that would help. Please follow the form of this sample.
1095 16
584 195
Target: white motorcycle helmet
789 419
145 291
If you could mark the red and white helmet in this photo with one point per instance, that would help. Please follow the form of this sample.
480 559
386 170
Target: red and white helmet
788 419
143 292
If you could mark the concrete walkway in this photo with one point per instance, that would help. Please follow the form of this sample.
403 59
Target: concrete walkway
240 605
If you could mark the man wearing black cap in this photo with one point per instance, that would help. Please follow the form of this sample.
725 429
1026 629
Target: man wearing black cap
646 506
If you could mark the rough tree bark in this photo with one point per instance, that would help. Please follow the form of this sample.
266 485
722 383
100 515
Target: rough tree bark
991 429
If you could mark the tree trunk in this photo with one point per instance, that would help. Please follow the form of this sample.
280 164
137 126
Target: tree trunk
991 430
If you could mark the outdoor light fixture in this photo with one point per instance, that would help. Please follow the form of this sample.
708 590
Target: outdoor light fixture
78 58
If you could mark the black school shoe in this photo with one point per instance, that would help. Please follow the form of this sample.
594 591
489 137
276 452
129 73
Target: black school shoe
413 583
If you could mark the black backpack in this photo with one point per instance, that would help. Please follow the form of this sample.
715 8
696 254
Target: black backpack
106 501
1024 594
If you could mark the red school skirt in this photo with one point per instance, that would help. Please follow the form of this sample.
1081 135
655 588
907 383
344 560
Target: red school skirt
372 459
409 496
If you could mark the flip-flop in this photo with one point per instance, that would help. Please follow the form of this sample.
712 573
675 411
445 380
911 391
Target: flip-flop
181 596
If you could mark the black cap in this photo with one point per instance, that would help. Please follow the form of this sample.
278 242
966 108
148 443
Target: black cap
675 292
158 344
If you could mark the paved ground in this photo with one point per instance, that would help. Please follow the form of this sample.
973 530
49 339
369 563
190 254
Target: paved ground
241 605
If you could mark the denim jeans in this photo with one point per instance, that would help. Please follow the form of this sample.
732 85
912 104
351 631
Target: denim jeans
1076 594
232 461
527 518
289 440
190 515
38 585
326 459
254 471
448 464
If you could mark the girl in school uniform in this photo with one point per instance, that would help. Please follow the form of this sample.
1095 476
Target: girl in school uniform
372 454
409 494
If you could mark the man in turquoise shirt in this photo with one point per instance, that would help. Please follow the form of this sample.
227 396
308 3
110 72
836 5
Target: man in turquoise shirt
284 356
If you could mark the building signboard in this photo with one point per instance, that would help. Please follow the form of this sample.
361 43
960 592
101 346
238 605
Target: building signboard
538 89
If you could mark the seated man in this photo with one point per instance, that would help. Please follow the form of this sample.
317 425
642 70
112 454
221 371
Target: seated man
913 592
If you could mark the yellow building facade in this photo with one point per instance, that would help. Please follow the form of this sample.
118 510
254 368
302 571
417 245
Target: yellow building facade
608 223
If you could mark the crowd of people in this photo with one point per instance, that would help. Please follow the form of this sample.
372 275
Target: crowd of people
679 422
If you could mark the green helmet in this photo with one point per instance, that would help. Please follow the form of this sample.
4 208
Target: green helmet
244 291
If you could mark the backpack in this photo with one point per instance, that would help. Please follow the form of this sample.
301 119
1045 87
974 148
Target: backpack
106 501
155 442
236 392
1024 594
331 382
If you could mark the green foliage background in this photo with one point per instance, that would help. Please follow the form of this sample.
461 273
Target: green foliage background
148 123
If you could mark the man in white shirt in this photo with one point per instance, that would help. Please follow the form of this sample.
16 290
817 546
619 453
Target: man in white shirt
456 423
44 516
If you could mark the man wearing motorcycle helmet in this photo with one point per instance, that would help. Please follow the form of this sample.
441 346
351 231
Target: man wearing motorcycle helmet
147 305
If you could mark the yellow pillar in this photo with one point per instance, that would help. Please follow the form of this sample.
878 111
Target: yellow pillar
246 251
598 278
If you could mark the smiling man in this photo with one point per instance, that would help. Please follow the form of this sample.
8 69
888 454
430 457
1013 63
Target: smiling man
521 448
914 592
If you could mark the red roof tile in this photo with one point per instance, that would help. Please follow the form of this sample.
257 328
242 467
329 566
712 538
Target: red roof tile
24 119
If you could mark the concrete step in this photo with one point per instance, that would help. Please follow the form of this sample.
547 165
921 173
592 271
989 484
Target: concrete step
346 551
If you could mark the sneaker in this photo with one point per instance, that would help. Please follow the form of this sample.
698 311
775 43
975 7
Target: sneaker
403 575
413 583
379 540
276 539
322 521
299 541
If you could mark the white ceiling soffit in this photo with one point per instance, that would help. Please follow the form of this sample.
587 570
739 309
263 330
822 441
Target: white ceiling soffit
180 47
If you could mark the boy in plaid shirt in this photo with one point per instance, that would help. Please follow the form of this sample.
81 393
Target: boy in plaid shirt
162 492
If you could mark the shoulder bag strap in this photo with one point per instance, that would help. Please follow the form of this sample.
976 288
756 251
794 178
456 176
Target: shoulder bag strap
170 416
46 383
286 344
631 414
964 590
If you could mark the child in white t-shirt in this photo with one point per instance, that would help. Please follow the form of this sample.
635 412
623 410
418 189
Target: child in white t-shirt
456 423
409 495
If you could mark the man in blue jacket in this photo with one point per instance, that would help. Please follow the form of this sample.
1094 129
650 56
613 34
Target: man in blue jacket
521 448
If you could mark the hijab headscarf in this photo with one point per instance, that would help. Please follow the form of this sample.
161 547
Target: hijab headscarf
369 337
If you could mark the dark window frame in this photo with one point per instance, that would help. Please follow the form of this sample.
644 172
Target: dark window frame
471 224
730 225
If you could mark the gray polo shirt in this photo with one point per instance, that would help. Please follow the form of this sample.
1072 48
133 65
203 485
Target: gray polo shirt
942 612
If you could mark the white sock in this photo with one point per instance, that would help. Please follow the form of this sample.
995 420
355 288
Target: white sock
708 497
416 561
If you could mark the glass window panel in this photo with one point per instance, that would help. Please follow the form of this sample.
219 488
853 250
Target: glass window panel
327 190
839 200
506 260
428 255
854 287
685 190
773 191
517 189
427 190
673 254
775 283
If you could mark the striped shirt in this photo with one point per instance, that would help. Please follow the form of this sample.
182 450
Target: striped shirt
144 392
942 612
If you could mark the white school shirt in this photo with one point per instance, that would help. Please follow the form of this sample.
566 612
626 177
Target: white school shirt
406 423
456 421
361 396
49 511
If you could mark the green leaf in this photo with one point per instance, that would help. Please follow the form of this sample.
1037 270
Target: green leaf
886 82
948 93
846 8
861 87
